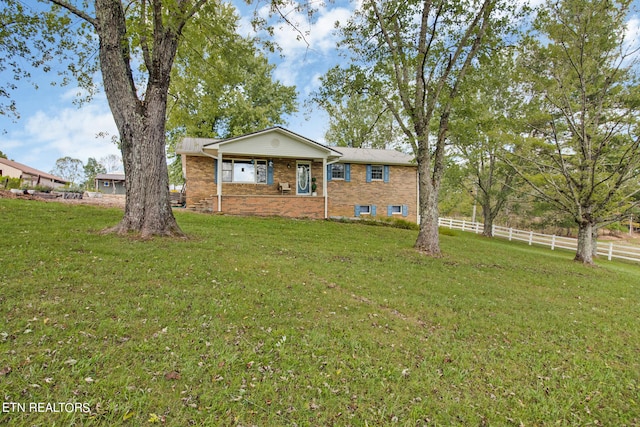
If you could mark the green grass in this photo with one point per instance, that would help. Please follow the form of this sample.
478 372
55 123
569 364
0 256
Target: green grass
272 322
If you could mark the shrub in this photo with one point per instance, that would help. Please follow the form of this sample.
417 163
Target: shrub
8 183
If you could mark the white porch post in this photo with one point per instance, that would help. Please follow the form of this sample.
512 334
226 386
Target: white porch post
324 188
219 181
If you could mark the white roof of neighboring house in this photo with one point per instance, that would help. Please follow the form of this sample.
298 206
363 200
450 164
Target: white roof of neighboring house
27 170
373 155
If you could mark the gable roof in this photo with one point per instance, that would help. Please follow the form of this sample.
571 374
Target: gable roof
274 141
27 170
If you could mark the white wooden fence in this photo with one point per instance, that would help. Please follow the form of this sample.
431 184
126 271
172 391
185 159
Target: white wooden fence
610 250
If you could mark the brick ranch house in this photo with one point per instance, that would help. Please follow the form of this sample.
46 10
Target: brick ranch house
273 172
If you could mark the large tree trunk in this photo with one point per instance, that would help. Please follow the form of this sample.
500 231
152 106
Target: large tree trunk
148 206
141 123
488 217
428 241
584 253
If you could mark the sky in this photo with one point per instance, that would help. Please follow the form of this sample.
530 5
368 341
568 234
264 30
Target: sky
52 125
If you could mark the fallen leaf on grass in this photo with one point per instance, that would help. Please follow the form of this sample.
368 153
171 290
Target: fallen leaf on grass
5 371
173 375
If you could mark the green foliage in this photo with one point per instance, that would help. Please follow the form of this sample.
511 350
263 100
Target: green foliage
8 183
223 329
91 170
586 163
70 169
356 117
221 85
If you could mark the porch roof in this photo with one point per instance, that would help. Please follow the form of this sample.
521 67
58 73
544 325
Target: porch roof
274 142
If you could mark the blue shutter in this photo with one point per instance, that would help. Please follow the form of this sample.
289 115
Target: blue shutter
356 211
405 210
215 171
329 171
373 210
347 172
269 172
386 173
389 210
368 173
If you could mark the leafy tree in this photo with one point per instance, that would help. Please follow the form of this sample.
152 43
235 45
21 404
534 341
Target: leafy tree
413 55
91 170
111 163
355 118
234 94
222 86
486 118
17 27
581 77
2 155
70 169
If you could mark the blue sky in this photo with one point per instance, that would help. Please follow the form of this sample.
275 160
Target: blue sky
51 126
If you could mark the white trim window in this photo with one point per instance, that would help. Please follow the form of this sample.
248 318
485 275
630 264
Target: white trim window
244 171
377 172
395 209
337 171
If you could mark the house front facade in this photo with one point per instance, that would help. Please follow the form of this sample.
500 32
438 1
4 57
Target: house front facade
276 172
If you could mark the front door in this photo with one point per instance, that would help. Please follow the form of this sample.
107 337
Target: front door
304 178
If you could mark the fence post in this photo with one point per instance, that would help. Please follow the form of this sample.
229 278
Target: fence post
610 251
493 229
530 238
553 242
510 233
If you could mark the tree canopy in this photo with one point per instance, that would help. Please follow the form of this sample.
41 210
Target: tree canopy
582 82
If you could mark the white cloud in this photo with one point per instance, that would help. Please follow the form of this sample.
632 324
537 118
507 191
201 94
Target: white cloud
46 136
307 44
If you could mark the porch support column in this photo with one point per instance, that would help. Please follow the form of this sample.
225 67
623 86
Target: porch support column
219 181
324 188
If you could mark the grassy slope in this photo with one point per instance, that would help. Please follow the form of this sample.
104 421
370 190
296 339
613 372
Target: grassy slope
279 322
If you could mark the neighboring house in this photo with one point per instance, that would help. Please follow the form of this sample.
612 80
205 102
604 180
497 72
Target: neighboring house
110 183
272 172
28 175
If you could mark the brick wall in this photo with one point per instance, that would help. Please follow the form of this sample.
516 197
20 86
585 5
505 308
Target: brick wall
200 183
287 206
343 196
400 190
